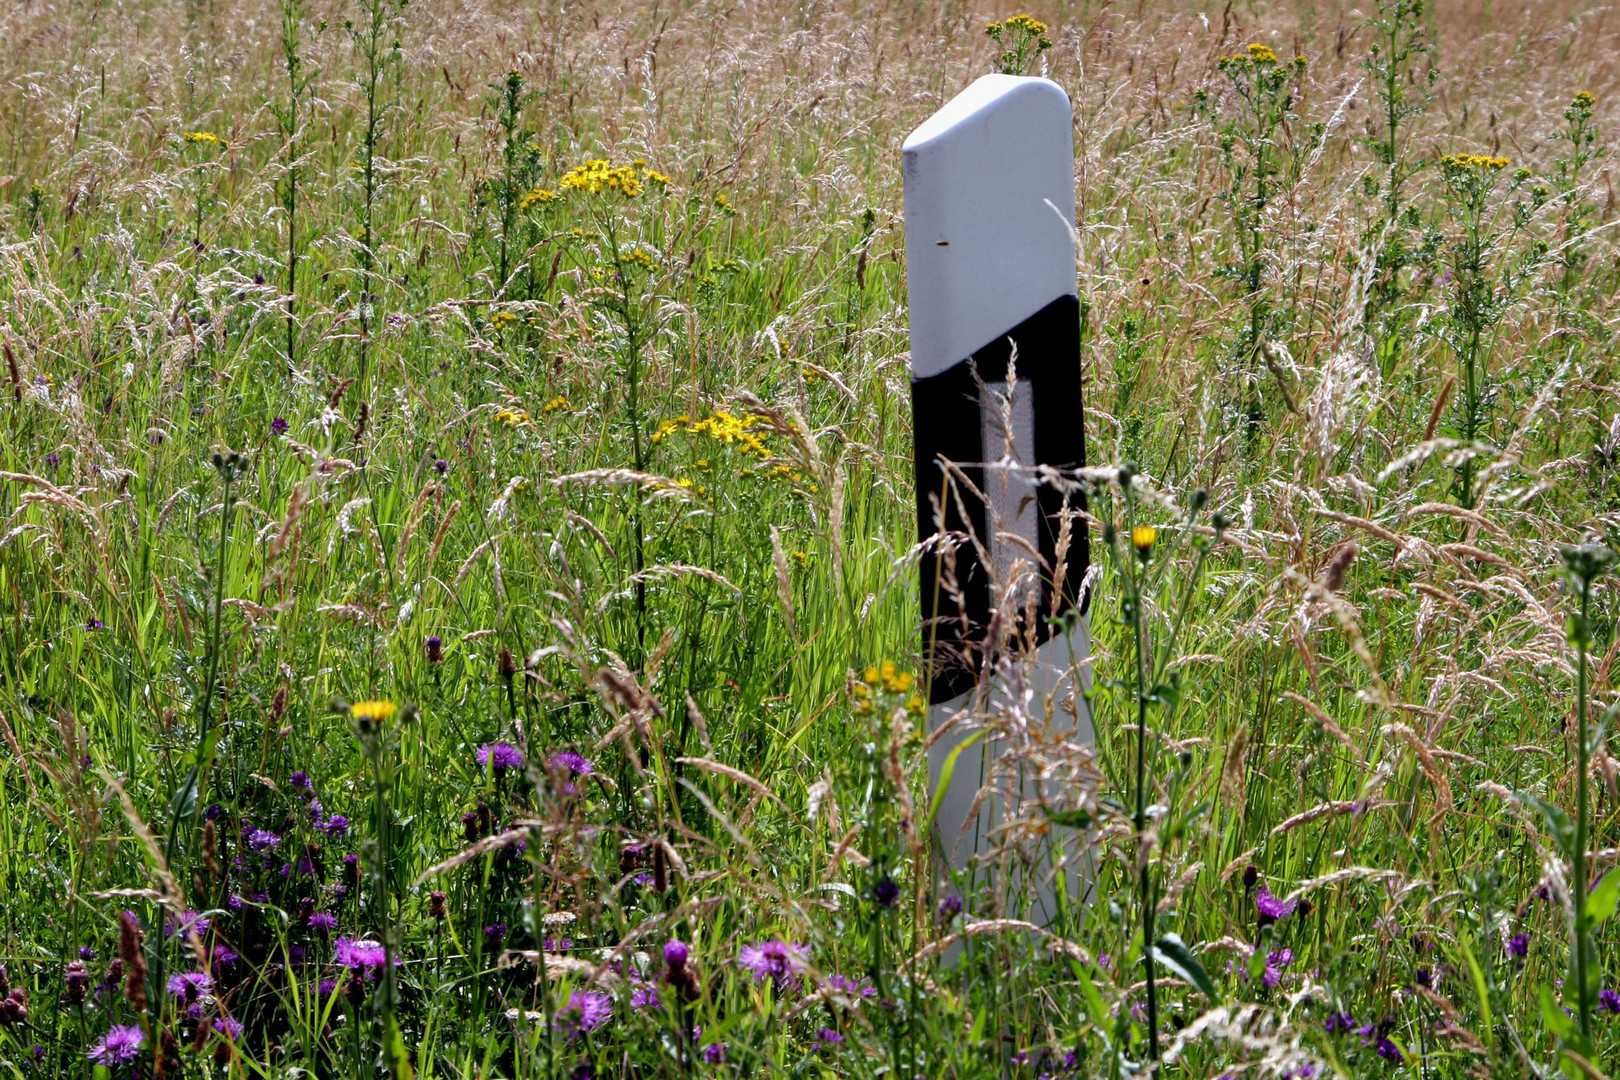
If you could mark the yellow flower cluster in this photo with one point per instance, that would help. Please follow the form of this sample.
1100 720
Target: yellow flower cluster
557 404
536 197
639 257
735 431
890 680
1257 54
1474 161
502 319
1583 100
598 175
1031 26
201 137
513 418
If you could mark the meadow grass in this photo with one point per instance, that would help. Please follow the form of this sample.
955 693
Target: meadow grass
458 547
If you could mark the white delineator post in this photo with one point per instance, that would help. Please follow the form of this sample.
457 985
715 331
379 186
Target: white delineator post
989 202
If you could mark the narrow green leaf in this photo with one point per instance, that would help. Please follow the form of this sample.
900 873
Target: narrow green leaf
1171 952
1600 904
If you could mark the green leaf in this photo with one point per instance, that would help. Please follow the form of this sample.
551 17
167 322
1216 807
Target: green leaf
1603 899
1559 827
1075 819
1558 1022
1171 952
945 777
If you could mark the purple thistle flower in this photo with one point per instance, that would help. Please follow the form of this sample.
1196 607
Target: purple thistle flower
278 427
1389 1051
1609 1001
852 988
190 985
263 840
361 957
1275 962
676 953
120 1046
224 957
774 959
228 1027
325 988
585 1011
1272 908
500 757
322 922
574 763
186 922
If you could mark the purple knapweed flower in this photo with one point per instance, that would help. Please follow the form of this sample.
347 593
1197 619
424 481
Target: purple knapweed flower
278 427
186 922
585 1011
852 988
574 763
1275 962
228 1027
1272 908
224 957
644 997
778 960
361 957
322 922
676 953
500 757
189 985
120 1046
433 649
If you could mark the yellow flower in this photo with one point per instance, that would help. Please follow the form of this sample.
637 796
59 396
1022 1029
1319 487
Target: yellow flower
502 319
512 418
599 175
201 137
1261 54
557 404
1143 536
871 676
1583 100
535 197
375 711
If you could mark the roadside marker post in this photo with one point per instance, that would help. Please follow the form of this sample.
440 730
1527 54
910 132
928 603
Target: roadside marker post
990 257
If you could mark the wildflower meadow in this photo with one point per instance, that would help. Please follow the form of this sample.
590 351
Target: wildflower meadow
459 548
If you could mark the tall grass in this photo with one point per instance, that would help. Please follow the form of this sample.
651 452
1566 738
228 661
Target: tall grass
607 490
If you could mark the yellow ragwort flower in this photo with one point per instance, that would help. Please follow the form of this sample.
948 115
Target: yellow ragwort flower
1261 54
201 137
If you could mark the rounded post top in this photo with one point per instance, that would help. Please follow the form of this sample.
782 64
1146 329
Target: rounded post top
989 196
